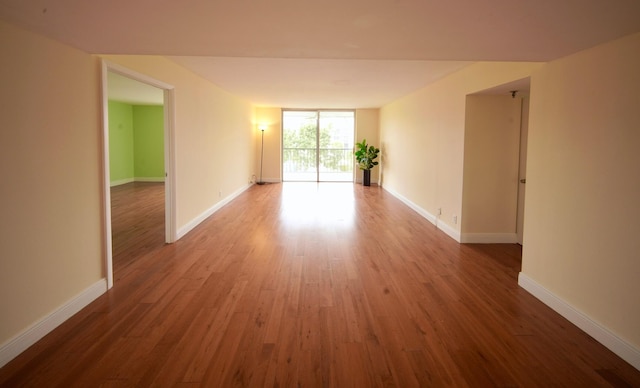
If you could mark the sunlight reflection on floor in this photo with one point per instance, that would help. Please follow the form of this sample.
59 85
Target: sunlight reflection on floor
311 203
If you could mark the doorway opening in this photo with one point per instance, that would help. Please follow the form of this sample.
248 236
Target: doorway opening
136 85
495 148
317 145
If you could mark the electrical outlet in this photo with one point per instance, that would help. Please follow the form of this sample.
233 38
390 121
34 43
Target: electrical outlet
439 211
455 219
219 194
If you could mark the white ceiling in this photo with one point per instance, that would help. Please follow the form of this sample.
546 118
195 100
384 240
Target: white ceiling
306 83
331 53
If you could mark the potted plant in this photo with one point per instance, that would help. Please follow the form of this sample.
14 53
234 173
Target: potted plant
365 156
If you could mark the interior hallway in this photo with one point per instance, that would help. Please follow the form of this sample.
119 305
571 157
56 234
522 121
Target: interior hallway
317 285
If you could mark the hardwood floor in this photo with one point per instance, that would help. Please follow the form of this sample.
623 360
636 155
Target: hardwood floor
316 285
137 221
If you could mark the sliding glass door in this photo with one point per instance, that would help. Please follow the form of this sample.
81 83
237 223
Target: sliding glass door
299 146
317 145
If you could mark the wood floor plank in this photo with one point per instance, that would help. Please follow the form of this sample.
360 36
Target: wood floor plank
314 285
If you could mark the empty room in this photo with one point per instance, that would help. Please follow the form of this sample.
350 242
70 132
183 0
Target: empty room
186 201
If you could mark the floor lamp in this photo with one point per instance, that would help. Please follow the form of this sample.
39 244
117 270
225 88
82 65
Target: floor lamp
262 128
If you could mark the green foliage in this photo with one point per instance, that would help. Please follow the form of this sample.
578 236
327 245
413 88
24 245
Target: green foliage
305 137
366 155
300 149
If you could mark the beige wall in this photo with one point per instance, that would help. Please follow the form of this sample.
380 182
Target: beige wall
51 229
491 161
583 184
367 122
214 135
272 165
422 137
50 162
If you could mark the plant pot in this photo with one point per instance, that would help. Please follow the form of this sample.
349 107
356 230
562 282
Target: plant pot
366 178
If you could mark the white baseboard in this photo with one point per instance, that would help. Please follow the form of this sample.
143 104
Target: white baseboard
121 182
149 179
430 217
18 344
448 230
136 179
489 238
206 214
622 348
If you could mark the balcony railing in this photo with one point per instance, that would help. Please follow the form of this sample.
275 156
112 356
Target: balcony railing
334 164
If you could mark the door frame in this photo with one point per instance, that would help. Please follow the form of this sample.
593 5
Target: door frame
522 166
169 158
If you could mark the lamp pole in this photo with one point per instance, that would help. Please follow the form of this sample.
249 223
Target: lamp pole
260 182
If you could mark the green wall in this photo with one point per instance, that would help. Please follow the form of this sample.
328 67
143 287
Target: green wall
136 142
120 142
148 141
